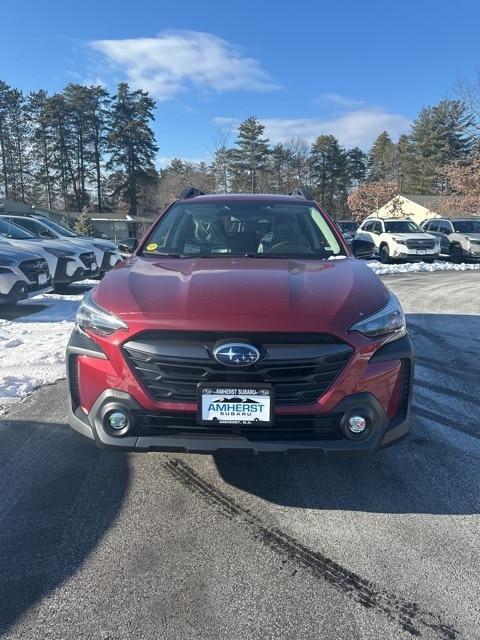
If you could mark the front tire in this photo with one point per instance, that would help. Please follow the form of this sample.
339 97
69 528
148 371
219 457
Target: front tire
456 254
385 254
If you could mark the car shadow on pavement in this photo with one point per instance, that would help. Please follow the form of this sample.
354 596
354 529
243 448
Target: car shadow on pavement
435 470
60 495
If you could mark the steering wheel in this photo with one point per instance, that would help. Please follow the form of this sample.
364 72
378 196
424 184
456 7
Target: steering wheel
290 246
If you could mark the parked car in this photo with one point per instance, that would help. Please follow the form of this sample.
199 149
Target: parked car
399 239
459 237
106 252
241 322
66 263
348 226
22 275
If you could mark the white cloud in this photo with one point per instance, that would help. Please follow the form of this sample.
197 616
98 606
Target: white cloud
336 100
352 128
177 60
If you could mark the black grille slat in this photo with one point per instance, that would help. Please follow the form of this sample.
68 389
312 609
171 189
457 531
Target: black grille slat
421 244
292 427
296 381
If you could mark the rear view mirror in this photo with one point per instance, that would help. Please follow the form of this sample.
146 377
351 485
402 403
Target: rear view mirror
362 248
127 246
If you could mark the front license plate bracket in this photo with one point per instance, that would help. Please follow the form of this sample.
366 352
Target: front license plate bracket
235 404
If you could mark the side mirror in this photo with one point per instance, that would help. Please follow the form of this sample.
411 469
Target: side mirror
362 248
46 234
127 246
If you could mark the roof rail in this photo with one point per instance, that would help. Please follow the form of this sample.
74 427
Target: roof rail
190 192
301 193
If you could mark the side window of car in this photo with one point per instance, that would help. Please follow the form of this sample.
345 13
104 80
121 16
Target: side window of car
444 227
377 227
431 226
367 226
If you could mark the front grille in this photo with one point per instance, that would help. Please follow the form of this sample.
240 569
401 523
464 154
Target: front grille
300 367
292 427
33 269
88 259
421 244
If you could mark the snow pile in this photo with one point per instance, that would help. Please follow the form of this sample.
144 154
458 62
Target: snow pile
420 267
32 348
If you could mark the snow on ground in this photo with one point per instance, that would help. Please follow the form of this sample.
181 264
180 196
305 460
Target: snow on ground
418 267
32 347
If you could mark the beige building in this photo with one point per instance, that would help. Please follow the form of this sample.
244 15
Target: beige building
417 208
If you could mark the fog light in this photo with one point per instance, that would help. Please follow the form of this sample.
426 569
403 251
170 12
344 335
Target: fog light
357 424
117 420
71 268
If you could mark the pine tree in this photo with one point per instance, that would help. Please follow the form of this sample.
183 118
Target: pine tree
356 165
84 225
440 135
38 108
251 157
381 159
329 170
131 143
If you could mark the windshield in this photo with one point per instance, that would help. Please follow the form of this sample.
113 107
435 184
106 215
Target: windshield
255 229
60 229
9 230
349 225
467 226
402 226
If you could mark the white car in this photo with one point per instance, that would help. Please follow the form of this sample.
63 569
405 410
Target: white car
66 263
106 251
399 239
22 275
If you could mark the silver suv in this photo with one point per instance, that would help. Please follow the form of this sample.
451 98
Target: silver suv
106 251
22 275
459 237
66 263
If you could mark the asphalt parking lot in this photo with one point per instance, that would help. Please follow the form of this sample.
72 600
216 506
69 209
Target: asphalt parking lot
105 545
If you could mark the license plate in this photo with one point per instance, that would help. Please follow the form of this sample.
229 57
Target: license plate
224 404
421 252
93 266
42 278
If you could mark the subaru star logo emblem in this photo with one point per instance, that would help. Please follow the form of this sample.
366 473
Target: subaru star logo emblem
236 354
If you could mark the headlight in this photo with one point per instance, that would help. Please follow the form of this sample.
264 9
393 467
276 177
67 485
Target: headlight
92 317
400 241
60 253
390 319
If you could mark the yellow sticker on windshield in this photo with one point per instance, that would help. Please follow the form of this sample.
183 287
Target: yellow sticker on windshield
152 246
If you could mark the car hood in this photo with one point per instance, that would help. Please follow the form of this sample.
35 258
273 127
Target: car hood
11 252
464 234
241 294
106 245
412 236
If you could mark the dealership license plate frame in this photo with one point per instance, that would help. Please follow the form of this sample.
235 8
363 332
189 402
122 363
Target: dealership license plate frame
236 386
42 279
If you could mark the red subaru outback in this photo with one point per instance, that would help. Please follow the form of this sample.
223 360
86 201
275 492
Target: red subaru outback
241 322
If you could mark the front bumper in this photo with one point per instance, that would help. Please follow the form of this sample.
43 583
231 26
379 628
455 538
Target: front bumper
109 260
23 290
188 436
63 275
413 255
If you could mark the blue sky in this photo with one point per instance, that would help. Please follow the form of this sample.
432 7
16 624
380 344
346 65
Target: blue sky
345 67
